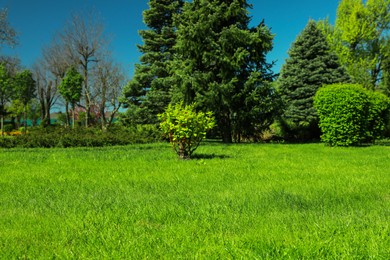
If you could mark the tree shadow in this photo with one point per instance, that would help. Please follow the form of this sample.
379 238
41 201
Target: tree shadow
208 156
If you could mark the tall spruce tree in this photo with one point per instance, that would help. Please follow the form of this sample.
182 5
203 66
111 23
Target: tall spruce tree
148 93
310 65
220 64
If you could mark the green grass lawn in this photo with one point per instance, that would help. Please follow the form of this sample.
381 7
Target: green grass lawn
233 201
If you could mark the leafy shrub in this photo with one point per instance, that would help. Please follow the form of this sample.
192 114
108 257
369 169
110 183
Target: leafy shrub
7 142
379 115
8 128
185 128
350 114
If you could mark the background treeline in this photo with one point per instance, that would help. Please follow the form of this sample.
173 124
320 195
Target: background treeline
206 52
209 54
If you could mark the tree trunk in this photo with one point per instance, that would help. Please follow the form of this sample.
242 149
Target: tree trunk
226 129
67 113
47 116
2 124
103 104
25 119
73 115
112 116
86 93
43 107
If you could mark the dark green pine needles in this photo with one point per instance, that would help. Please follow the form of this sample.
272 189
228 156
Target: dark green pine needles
148 93
310 65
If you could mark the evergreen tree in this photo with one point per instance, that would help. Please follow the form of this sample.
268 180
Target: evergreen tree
148 93
220 65
310 65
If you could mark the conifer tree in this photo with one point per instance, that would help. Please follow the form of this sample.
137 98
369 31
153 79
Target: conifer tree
148 93
310 65
220 65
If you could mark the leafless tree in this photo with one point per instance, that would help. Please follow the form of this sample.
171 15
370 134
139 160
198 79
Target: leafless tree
7 33
48 72
109 78
83 40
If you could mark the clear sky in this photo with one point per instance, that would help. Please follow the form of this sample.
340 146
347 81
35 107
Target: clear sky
37 21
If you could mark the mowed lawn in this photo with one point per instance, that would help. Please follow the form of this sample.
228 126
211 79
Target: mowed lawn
249 201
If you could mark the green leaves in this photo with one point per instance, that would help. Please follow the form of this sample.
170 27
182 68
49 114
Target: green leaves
360 39
350 114
71 86
149 90
25 86
217 54
185 127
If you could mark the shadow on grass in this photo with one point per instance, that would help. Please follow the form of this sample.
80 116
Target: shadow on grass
208 156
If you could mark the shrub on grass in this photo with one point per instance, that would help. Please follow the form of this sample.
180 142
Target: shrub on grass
350 114
185 128
379 115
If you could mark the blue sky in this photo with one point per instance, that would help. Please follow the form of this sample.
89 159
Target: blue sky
37 21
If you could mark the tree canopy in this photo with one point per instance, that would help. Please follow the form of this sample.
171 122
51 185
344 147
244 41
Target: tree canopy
149 92
360 37
71 88
220 64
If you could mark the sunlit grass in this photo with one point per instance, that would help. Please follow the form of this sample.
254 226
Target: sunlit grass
232 201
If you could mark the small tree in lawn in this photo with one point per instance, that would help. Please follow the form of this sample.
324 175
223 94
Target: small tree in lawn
25 88
185 127
70 89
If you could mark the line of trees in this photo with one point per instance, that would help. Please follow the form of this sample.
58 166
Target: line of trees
206 53
81 48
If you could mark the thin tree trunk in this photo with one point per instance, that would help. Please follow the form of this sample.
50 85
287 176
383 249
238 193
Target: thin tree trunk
73 115
86 92
67 113
47 117
112 116
226 129
2 124
25 119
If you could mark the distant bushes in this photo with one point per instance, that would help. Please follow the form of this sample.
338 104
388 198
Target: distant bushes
350 114
82 137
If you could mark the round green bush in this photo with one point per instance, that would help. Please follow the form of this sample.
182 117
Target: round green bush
350 115
379 115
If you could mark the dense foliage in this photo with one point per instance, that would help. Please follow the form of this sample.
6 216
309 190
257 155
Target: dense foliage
148 93
5 93
360 39
25 91
310 65
221 65
208 53
71 87
350 115
185 127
